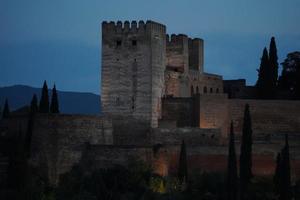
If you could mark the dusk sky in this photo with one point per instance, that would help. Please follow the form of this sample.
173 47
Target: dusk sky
59 40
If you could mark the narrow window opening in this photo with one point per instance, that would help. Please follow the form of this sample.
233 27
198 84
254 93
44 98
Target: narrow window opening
117 101
132 103
119 43
134 42
205 89
192 90
211 90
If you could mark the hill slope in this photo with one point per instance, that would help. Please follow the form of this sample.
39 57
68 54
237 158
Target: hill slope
69 102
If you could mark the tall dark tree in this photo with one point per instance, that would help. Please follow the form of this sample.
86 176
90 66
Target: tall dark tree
231 168
34 104
44 102
246 153
54 107
6 111
285 192
182 166
290 75
273 58
264 82
277 177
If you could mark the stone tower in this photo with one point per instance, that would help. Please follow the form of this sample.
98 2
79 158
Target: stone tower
133 65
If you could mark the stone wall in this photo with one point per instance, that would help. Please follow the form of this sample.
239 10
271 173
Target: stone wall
58 140
214 159
163 156
191 136
214 112
184 111
268 116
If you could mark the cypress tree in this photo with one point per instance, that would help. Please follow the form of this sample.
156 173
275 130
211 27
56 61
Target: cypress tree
277 177
54 108
6 111
285 173
34 104
44 102
231 168
273 58
182 166
246 152
264 82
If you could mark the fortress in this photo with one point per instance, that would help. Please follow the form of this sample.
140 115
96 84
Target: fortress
155 93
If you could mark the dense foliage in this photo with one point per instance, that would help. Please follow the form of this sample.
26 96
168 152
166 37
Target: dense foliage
290 75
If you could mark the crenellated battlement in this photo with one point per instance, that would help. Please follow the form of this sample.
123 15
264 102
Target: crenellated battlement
131 27
195 40
176 39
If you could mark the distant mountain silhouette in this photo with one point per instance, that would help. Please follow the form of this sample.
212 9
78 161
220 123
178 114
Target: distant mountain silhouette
69 102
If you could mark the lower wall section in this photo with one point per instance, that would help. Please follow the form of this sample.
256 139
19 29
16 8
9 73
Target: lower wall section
58 140
164 158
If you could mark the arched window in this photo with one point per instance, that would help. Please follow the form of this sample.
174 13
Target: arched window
205 89
197 90
211 90
217 90
192 90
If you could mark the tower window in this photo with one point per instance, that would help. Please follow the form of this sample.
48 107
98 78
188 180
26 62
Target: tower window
134 42
211 90
119 43
217 91
132 103
205 89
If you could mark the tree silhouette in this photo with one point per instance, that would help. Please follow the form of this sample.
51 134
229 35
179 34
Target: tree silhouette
44 102
246 153
285 192
182 166
290 75
34 104
54 107
273 58
276 178
231 168
264 82
6 111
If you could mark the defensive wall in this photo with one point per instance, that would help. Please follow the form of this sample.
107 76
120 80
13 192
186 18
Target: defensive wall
61 141
268 116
